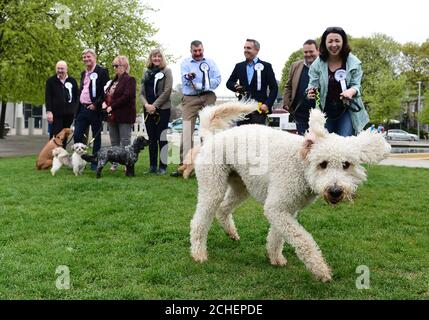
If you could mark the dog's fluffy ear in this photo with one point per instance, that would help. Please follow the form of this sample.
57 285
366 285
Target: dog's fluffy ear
373 147
315 132
316 124
309 140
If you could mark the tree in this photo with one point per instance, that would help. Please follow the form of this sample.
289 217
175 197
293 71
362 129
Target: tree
424 113
416 64
295 56
35 34
382 86
29 45
116 27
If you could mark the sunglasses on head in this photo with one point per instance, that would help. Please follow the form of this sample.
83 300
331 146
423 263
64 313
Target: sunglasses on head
334 29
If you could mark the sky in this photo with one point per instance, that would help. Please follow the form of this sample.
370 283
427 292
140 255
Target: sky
280 26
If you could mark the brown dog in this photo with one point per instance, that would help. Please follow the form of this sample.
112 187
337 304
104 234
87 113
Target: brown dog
188 166
45 157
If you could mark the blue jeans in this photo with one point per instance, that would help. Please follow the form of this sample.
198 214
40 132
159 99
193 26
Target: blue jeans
342 126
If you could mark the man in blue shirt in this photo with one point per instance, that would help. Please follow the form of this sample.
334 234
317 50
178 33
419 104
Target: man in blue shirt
200 77
254 79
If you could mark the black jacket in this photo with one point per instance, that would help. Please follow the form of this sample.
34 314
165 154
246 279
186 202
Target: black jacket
57 96
102 79
268 81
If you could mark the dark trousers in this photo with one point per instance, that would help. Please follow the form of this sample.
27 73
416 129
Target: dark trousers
61 122
157 133
254 118
84 119
301 120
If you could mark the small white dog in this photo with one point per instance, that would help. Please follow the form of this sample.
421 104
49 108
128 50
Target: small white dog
78 163
61 157
285 173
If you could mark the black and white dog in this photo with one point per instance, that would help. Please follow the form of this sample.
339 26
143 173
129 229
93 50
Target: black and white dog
127 156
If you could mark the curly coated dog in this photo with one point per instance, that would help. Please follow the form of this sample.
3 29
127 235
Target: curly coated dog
127 156
285 173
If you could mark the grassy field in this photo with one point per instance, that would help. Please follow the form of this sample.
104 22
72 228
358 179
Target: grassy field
128 238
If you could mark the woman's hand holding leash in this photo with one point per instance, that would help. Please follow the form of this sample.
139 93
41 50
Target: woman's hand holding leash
311 93
348 94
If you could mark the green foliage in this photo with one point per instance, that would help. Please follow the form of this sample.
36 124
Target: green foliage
295 56
33 39
128 238
416 64
424 113
114 28
382 87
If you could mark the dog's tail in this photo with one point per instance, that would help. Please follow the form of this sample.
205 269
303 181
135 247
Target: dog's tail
220 117
89 157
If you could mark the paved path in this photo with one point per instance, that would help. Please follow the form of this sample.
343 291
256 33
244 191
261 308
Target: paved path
15 146
413 160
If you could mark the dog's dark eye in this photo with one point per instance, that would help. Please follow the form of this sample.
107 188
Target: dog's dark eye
324 164
346 165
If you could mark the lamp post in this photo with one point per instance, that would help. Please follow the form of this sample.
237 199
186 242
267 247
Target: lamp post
418 108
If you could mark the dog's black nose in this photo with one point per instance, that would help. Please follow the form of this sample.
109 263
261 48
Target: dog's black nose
335 192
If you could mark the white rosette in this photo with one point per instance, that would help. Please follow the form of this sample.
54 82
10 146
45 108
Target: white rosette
94 77
340 75
69 87
259 67
205 68
158 77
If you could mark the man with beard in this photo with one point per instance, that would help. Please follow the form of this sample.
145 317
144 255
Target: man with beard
200 77
294 100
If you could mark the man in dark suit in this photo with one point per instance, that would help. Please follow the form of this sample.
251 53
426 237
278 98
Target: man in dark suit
254 79
92 82
294 100
61 99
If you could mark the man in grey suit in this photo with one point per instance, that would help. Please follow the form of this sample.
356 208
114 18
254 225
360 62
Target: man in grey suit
294 100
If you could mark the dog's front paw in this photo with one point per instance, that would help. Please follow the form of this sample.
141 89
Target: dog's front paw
234 236
278 260
324 274
200 256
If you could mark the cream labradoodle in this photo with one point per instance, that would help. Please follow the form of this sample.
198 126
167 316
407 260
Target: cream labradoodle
285 173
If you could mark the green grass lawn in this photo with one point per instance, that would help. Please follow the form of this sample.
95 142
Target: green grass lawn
128 238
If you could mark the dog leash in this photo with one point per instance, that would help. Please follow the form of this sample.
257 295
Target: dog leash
198 92
96 135
67 143
157 116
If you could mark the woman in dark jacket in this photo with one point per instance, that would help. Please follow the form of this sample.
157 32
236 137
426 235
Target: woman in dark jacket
155 93
120 104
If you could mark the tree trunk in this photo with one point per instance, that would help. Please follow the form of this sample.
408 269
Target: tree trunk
2 118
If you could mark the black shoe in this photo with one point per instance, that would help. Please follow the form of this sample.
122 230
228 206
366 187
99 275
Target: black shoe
151 170
175 174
